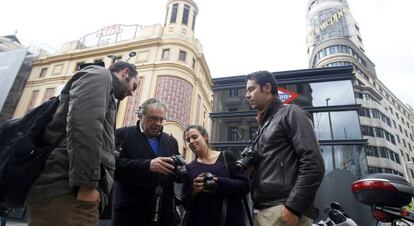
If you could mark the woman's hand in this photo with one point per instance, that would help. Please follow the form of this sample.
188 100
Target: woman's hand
198 184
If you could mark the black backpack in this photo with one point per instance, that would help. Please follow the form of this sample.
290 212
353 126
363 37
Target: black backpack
23 154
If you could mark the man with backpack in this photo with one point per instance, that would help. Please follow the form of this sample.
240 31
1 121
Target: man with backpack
77 179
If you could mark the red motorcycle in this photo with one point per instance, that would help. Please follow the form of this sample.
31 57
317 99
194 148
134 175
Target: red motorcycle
388 195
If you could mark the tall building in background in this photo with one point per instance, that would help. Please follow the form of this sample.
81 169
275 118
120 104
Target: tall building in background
15 67
170 62
334 39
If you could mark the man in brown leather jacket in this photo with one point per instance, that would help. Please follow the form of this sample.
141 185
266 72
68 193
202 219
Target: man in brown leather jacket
290 167
78 175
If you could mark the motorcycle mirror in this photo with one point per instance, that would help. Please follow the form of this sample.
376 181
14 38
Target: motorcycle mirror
335 205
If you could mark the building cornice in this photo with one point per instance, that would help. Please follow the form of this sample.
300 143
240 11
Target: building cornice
104 50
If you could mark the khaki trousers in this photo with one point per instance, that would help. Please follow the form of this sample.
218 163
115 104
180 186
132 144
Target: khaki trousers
64 210
272 217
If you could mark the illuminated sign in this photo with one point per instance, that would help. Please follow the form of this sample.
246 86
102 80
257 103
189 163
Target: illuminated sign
110 35
286 96
328 22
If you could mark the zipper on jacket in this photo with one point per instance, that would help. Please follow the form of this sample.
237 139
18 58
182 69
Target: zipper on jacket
282 168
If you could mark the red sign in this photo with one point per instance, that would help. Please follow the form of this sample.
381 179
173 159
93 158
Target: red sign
286 96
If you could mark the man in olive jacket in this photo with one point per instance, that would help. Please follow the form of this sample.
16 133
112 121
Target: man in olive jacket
290 167
78 175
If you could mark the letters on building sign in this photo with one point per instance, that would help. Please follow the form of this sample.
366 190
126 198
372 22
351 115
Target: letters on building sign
329 21
286 96
110 35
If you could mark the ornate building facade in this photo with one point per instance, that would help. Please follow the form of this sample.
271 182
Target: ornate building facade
170 62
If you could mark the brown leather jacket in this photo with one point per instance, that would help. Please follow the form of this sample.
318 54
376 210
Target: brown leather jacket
291 167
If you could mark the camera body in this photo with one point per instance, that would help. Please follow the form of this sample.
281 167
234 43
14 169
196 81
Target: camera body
249 157
209 183
180 171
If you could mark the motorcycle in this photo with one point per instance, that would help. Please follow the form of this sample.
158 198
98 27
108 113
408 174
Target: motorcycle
336 217
4 212
388 196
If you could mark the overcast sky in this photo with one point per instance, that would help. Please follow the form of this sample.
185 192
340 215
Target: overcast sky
238 36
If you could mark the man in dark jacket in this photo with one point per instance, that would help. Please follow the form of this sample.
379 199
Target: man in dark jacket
78 175
144 178
290 167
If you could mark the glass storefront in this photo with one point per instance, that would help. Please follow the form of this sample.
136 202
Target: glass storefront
329 101
351 158
321 94
340 125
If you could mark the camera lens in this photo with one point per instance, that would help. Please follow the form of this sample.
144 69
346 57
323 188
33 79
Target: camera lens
180 171
209 184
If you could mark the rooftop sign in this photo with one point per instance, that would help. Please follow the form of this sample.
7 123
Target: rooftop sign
110 35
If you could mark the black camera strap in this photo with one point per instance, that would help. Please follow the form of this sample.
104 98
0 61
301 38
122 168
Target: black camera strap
259 132
225 200
245 203
157 202
255 139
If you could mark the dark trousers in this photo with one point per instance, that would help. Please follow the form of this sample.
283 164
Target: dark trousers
64 210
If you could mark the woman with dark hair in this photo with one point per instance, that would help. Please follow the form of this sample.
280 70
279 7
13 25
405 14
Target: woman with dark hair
213 195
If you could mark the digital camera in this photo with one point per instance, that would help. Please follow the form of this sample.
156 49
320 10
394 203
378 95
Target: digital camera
248 158
209 183
180 170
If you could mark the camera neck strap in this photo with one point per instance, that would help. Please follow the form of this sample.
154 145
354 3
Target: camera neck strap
225 200
269 119
259 133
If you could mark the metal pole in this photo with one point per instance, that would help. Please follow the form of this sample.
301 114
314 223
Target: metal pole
332 136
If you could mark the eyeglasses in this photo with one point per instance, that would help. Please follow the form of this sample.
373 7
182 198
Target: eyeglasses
156 118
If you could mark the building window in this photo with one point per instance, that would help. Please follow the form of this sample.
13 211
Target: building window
165 54
194 20
412 173
193 63
32 100
48 94
78 66
132 105
176 93
182 55
174 13
233 92
252 132
43 72
233 109
233 133
185 14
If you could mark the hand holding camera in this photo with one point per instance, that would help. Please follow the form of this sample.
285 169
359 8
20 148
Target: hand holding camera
205 182
162 165
181 172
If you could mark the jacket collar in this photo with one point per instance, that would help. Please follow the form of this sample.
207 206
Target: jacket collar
272 108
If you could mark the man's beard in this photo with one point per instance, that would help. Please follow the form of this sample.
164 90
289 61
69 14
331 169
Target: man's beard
119 89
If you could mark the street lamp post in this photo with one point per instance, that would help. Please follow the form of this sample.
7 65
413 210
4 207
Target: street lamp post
331 131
